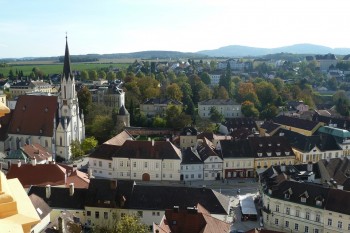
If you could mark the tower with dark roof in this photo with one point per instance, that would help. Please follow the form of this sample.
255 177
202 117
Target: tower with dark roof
123 119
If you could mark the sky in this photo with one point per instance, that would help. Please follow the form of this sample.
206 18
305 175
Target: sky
38 28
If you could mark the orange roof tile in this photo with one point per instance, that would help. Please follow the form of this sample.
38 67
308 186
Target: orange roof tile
36 151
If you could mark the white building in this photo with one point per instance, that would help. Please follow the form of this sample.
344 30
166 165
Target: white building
228 108
211 160
191 165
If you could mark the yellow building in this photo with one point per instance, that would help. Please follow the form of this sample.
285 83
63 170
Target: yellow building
17 213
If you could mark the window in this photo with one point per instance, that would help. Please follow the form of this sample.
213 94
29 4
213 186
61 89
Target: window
134 174
153 213
303 199
306 229
100 163
340 224
329 222
128 163
226 164
140 214
109 165
296 227
146 164
105 215
287 224
297 213
134 164
97 214
199 175
212 174
171 175
186 167
157 175
307 215
349 227
288 210
192 176
318 218
122 215
206 174
121 163
157 165
277 208
276 221
121 174
186 176
88 213
94 162
316 230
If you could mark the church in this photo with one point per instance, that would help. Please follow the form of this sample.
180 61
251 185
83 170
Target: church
52 121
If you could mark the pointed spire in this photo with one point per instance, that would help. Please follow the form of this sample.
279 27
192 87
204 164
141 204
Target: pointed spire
66 64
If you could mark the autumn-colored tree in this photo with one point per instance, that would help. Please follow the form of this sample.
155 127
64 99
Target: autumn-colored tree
248 109
173 91
223 94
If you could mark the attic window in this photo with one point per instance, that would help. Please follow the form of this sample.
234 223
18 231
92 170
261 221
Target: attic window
286 195
268 153
40 131
318 203
278 153
259 154
260 145
278 144
17 129
303 199
269 144
287 152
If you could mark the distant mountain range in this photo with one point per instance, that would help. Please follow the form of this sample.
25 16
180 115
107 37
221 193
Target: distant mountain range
244 51
227 51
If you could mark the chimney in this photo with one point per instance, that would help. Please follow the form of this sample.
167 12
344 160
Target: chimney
71 189
113 184
60 225
309 167
34 161
19 163
48 191
152 142
90 173
176 209
283 167
74 167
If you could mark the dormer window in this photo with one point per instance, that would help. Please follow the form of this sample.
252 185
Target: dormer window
278 153
270 144
303 199
278 144
269 153
270 191
287 152
260 145
318 203
259 154
286 195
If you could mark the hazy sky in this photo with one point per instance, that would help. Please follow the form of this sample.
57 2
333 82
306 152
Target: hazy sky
31 28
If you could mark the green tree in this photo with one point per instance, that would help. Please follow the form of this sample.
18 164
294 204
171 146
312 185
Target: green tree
173 91
130 224
212 65
266 92
205 78
248 109
215 115
85 99
11 75
101 74
88 144
120 75
269 112
222 93
76 149
175 118
159 122
93 75
102 127
84 75
111 76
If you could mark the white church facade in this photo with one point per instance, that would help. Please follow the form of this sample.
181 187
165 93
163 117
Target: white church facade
52 121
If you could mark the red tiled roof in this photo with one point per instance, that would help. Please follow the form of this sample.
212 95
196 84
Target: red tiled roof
194 220
34 115
43 174
36 151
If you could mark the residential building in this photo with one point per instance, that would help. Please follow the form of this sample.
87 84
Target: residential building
214 79
106 201
138 160
24 87
191 165
270 151
312 148
188 138
238 159
48 174
268 128
43 211
298 125
192 219
232 125
157 106
332 121
212 161
55 120
296 107
309 204
228 108
326 61
17 211
110 95
341 136
29 153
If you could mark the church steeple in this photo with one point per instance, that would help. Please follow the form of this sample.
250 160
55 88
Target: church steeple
66 64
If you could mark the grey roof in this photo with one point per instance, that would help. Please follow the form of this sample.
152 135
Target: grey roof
236 149
40 206
295 122
218 102
190 157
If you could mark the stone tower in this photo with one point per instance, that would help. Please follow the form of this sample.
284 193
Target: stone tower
123 119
